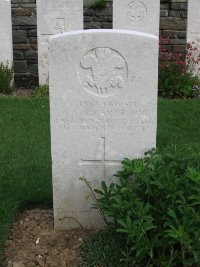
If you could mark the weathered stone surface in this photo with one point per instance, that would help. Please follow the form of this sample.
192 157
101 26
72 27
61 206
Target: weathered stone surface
18 54
32 33
24 20
31 54
193 31
137 15
171 23
164 13
103 98
19 36
179 6
20 66
33 68
55 17
171 34
182 34
6 47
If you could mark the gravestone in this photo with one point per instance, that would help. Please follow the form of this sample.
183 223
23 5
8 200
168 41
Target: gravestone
6 48
137 15
55 17
103 102
193 30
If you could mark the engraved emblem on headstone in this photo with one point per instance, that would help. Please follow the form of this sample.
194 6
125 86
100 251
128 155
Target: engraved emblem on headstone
103 71
136 12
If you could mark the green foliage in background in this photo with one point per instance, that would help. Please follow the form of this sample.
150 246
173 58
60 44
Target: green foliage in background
155 208
175 83
98 4
177 69
6 76
41 91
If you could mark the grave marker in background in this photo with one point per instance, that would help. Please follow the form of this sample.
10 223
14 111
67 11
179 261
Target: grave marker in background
103 102
137 15
6 46
193 29
55 16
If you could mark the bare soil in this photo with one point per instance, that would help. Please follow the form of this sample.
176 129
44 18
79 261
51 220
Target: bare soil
20 92
34 242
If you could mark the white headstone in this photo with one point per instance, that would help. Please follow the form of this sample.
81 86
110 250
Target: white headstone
6 47
55 16
137 15
103 101
193 29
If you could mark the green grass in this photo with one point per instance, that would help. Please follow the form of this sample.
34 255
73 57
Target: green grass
178 123
25 162
101 247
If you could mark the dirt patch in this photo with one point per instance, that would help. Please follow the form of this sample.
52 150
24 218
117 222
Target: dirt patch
20 92
34 242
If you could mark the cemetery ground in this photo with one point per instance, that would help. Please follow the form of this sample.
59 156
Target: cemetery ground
25 161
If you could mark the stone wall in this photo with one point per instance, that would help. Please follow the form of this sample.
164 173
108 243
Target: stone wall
172 24
25 42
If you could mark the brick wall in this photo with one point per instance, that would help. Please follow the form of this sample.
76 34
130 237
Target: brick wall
172 24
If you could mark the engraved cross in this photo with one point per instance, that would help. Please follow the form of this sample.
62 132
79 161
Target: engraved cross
103 160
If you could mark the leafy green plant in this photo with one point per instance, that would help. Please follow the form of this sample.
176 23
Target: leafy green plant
155 206
173 82
176 71
41 91
98 4
6 76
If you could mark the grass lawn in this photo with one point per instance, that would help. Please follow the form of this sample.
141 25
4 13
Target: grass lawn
25 162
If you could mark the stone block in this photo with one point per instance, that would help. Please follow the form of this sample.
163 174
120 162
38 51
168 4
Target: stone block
32 33
164 13
21 46
20 66
26 80
23 12
181 6
171 34
18 54
33 68
170 23
164 6
31 54
24 21
19 36
175 13
184 14
182 34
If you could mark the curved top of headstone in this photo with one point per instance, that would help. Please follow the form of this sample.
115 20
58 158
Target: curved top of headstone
104 31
